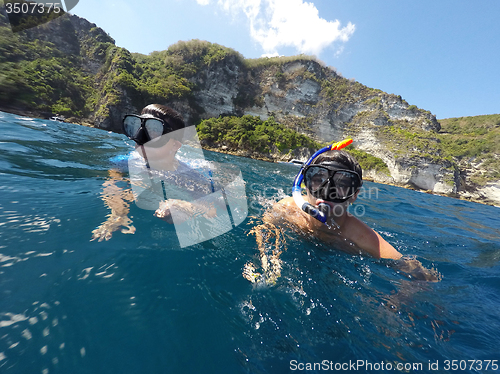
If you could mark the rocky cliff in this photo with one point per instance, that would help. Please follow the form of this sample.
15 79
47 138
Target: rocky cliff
204 80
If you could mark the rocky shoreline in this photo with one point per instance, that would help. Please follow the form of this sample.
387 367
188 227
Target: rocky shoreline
487 195
45 115
373 176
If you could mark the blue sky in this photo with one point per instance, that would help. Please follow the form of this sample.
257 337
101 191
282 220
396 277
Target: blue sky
440 55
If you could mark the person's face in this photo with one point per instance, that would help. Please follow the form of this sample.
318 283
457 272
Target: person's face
163 153
335 208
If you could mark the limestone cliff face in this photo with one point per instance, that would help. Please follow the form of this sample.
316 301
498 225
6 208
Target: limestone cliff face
312 99
295 93
409 170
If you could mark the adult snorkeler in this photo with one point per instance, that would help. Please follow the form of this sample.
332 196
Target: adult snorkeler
333 180
159 132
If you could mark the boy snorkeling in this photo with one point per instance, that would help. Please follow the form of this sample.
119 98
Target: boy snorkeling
333 180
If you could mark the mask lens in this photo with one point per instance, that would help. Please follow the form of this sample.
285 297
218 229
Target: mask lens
154 128
131 126
315 177
331 185
346 183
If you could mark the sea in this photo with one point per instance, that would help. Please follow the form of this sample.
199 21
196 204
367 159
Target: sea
141 303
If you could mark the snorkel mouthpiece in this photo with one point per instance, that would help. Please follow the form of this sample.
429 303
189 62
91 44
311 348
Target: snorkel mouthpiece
308 207
140 138
321 212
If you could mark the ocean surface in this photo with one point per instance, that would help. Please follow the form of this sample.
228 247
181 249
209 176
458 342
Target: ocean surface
139 303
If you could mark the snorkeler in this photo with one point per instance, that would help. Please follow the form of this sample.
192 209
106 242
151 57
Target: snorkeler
156 172
332 179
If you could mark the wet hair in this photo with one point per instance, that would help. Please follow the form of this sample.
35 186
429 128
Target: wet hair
166 114
340 157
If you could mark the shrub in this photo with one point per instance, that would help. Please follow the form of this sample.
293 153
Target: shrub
250 133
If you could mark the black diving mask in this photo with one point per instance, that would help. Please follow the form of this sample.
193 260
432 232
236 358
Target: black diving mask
331 182
145 129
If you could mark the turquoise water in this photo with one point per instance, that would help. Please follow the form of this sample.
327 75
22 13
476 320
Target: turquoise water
141 304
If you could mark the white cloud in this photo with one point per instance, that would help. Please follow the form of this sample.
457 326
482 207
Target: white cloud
276 54
288 23
203 2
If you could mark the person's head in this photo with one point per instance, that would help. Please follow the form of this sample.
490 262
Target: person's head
154 121
334 176
166 114
343 159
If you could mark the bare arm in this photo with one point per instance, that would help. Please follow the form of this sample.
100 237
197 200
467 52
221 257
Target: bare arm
118 200
372 243
369 240
270 243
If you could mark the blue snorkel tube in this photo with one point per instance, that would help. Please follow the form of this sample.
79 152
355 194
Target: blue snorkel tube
321 212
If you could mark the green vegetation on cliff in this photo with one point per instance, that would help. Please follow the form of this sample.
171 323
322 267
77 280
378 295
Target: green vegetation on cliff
50 73
474 140
251 134
163 76
471 143
35 74
405 140
368 161
72 67
471 136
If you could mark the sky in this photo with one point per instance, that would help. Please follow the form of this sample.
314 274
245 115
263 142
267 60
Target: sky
440 55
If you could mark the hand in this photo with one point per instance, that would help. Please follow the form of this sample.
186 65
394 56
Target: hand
184 210
415 270
113 223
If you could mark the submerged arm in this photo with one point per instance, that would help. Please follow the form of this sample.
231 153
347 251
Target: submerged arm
413 269
269 240
118 200
371 242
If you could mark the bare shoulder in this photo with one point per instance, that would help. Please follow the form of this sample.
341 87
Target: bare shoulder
369 240
287 202
286 211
